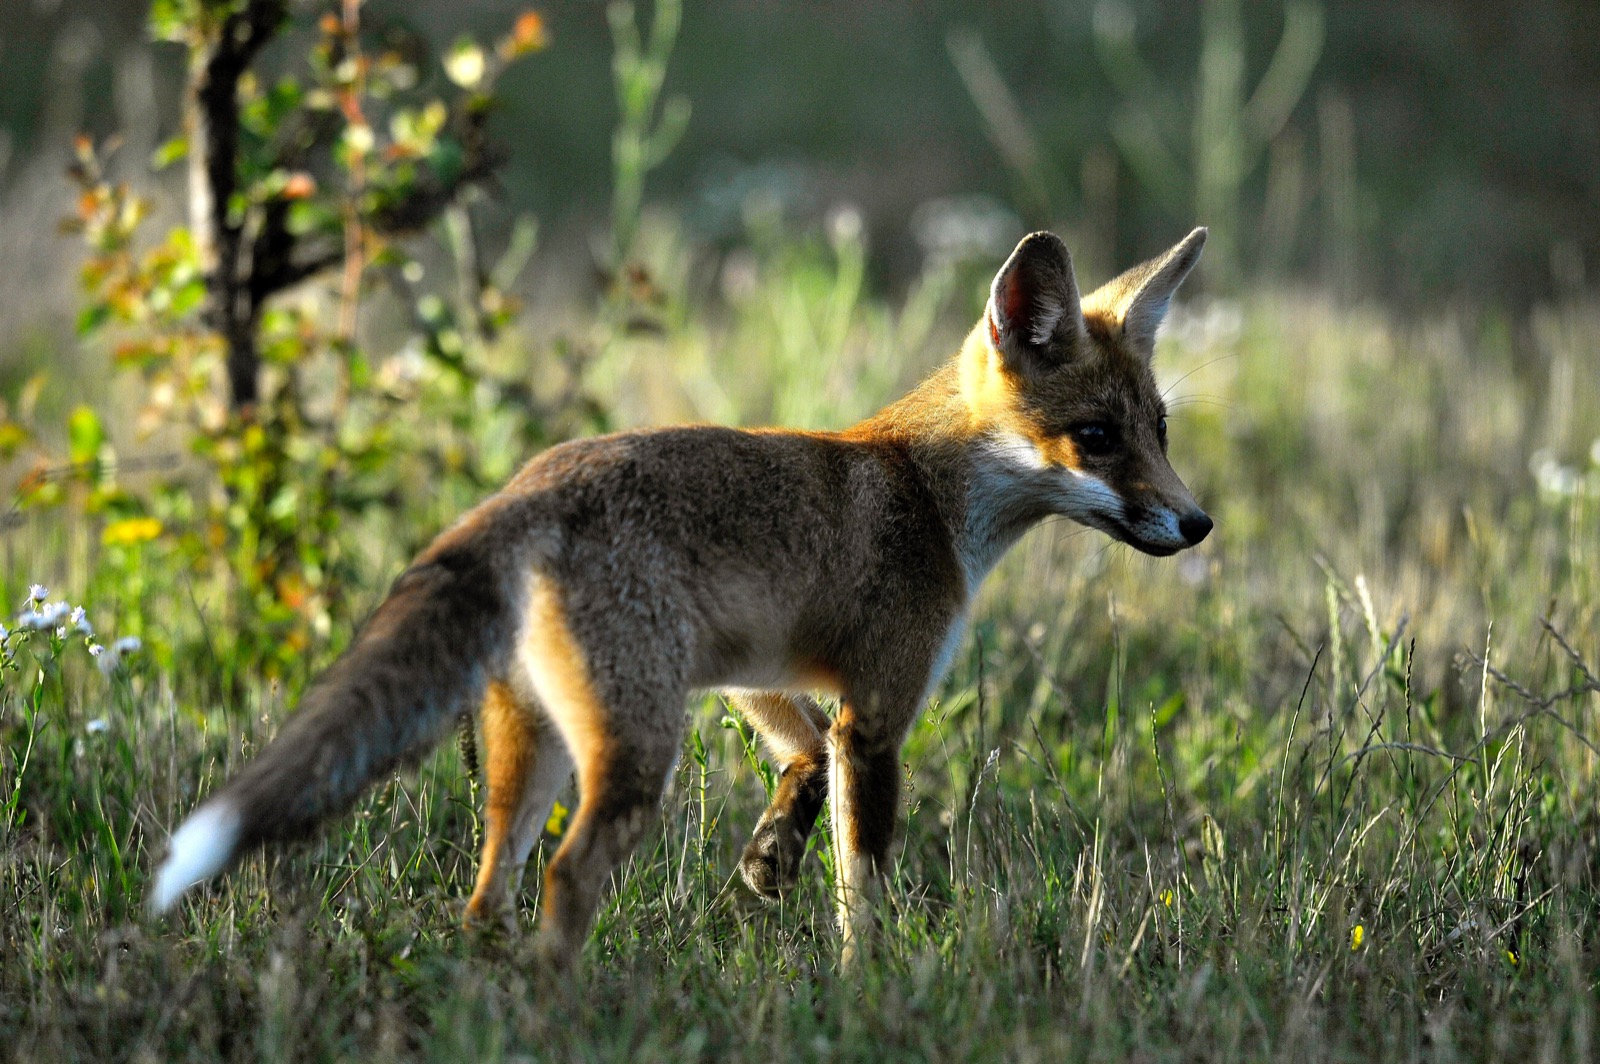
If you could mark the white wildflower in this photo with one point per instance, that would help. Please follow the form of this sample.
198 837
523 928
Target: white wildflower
1552 476
38 592
128 644
80 622
98 725
845 224
44 616
962 228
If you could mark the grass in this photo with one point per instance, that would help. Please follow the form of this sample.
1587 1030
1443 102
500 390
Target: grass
1323 790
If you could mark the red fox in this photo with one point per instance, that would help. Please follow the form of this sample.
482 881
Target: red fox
581 604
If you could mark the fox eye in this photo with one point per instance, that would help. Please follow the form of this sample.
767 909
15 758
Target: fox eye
1095 439
1161 429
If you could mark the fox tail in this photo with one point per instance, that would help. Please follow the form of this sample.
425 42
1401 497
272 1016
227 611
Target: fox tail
426 653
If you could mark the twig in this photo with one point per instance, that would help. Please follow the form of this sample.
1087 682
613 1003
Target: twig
1577 661
217 63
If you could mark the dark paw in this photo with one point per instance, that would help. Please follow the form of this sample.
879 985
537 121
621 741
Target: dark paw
770 866
493 935
765 869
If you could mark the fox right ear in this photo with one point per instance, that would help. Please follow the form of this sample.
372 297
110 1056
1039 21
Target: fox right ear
1136 301
1034 316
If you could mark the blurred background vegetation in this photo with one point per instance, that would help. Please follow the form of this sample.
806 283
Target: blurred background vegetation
1438 150
828 186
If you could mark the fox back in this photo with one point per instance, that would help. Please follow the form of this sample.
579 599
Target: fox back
578 607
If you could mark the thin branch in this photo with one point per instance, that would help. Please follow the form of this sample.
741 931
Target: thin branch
218 61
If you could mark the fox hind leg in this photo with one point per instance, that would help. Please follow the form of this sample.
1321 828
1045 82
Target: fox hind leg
526 763
795 728
622 721
621 793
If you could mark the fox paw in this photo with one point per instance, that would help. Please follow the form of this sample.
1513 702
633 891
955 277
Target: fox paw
490 927
767 868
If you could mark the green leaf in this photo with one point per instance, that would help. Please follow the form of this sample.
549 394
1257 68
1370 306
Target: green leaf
313 217
1168 709
447 160
91 317
169 153
85 435
12 436
187 298
169 20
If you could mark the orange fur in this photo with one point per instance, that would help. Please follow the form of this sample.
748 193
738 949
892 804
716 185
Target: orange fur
508 743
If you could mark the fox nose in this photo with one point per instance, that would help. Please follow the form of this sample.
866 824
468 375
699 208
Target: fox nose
1194 526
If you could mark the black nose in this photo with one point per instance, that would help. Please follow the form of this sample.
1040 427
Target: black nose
1195 526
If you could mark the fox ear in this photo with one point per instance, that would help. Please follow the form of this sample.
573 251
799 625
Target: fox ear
1034 317
1136 301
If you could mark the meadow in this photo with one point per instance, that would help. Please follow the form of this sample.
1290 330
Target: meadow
1323 789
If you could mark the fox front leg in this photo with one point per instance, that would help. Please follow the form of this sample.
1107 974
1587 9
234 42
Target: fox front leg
770 864
794 727
864 791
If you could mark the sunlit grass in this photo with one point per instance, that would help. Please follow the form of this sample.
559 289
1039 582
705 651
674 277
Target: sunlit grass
1321 790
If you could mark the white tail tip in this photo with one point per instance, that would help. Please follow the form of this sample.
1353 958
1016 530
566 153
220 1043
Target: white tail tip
200 848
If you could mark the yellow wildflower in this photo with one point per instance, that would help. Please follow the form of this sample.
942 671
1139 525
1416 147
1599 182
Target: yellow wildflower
131 530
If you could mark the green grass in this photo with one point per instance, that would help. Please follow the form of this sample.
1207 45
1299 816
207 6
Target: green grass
1324 789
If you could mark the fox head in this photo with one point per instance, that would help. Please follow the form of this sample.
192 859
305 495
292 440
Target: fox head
1060 389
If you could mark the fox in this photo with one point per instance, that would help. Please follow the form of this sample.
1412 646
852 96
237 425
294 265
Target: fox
578 608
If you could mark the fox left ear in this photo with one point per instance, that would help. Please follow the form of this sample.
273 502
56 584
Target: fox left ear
1034 317
1136 301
